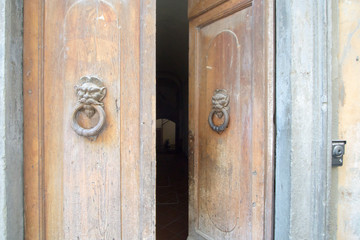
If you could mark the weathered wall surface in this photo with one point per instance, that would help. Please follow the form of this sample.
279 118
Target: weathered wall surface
303 73
346 179
11 123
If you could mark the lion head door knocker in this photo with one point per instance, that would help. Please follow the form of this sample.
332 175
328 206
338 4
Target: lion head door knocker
90 93
220 101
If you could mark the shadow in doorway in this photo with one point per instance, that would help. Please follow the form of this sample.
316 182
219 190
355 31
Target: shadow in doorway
171 197
172 36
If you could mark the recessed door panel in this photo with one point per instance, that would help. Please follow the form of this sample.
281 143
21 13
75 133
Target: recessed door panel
228 120
92 183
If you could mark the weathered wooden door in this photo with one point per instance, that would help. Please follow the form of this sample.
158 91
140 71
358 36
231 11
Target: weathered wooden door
89 113
231 119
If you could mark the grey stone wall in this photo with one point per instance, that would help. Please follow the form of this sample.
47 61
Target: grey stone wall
11 120
303 114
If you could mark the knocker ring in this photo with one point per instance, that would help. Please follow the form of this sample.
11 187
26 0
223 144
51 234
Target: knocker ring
221 127
88 132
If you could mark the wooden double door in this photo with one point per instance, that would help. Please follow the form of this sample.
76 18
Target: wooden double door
89 113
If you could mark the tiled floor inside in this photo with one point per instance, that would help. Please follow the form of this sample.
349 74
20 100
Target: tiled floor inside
172 197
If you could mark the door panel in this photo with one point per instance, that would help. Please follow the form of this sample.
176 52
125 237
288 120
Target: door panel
95 187
224 156
231 170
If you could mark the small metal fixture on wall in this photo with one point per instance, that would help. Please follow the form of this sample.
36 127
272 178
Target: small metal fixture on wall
338 151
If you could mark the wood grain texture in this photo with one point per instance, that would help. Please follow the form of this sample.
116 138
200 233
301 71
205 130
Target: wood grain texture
231 174
197 7
77 188
269 48
33 140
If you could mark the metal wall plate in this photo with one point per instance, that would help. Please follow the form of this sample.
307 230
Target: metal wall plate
338 151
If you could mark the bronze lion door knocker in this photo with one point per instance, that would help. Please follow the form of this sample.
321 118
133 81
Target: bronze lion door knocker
90 94
220 108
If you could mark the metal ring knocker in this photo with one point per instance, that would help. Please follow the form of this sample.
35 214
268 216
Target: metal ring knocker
90 94
220 101
88 132
223 126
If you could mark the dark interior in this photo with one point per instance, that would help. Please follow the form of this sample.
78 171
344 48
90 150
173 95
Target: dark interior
172 120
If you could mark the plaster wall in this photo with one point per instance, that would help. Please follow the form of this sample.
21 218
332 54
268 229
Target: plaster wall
11 122
346 125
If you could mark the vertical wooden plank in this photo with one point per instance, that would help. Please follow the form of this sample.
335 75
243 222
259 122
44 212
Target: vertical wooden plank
263 163
53 104
193 139
269 13
32 66
147 119
259 119
130 145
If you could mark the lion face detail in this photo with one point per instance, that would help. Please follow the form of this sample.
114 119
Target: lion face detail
220 100
90 92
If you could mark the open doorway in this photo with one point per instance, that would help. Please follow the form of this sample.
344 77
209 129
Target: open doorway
172 120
